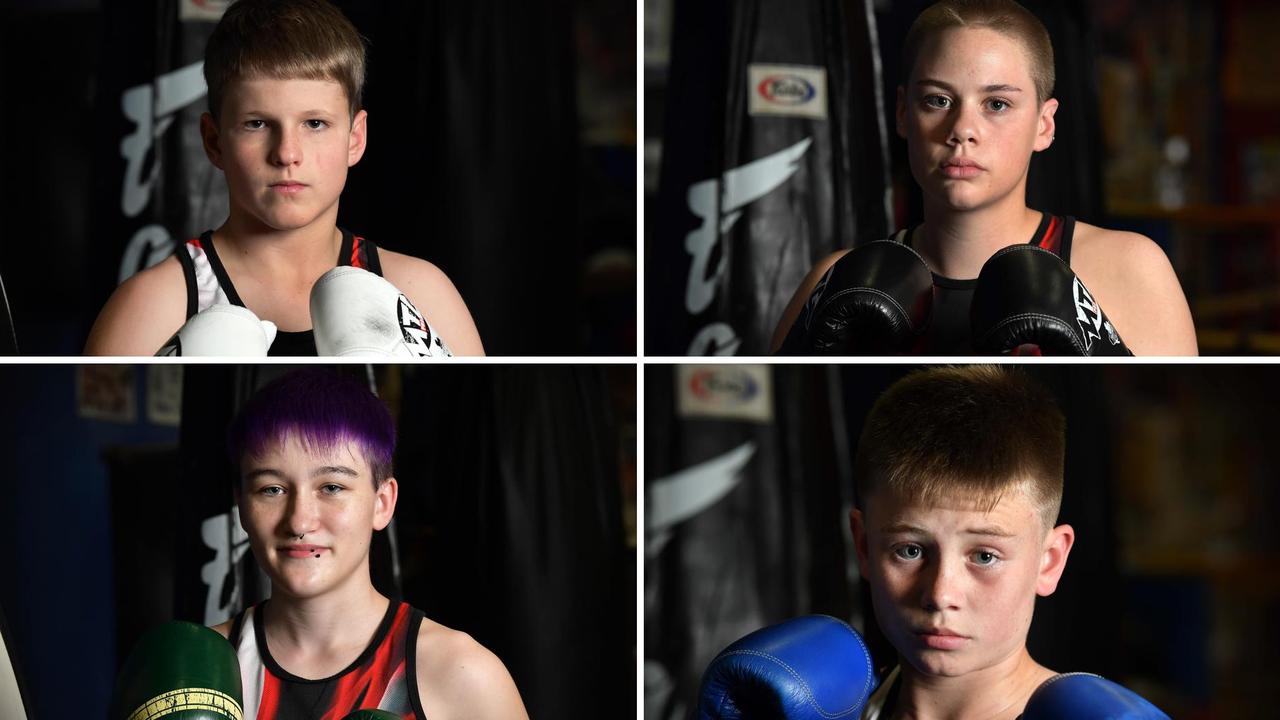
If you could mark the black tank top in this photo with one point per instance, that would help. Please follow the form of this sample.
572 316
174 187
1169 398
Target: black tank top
948 332
209 284
383 677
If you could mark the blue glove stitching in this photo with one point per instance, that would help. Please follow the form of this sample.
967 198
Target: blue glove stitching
866 653
805 685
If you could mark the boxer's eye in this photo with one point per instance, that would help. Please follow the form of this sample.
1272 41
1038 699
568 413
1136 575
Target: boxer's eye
908 552
985 558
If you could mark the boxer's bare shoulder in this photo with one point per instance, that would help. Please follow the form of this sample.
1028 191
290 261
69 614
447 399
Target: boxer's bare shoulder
1134 283
459 678
223 629
142 314
801 295
434 294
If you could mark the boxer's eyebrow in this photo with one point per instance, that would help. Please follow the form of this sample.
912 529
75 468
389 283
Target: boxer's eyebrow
334 470
993 530
272 116
903 528
255 474
988 88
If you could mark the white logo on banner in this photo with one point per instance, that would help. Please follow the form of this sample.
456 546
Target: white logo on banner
152 108
787 90
678 497
223 535
719 204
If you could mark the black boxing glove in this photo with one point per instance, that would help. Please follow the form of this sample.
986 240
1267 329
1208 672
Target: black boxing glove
875 300
1026 296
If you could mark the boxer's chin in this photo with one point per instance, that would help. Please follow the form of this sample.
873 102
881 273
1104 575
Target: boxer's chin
300 578
962 197
936 663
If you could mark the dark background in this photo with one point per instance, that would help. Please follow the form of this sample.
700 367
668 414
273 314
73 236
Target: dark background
502 149
515 521
1169 485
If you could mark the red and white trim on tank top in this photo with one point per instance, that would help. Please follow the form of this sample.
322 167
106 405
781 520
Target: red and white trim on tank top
208 291
376 678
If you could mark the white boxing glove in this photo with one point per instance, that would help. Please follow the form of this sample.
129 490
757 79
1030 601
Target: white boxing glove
222 330
356 313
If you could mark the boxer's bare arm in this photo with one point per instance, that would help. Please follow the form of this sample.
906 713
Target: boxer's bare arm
802 295
434 294
142 314
1133 282
459 678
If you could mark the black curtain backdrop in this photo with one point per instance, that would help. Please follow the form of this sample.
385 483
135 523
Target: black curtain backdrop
512 529
473 159
749 199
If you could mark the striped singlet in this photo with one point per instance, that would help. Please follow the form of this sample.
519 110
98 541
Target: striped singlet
384 676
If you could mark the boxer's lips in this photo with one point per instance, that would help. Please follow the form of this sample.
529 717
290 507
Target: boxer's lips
960 167
940 638
288 187
301 551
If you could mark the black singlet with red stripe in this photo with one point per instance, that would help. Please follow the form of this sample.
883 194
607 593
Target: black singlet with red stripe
208 283
383 677
949 329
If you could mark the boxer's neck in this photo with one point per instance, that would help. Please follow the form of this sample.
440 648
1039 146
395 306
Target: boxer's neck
998 692
246 244
957 244
326 632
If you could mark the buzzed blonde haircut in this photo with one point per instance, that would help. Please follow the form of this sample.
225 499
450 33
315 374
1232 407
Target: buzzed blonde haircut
1003 16
284 40
964 434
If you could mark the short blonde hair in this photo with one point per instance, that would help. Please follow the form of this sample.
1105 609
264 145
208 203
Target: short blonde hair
1003 16
284 40
969 433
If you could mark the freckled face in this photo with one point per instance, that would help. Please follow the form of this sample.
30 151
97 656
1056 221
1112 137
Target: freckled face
327 498
285 147
971 99
954 587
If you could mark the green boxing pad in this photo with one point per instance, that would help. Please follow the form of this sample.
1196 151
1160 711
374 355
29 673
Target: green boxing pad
179 671
372 715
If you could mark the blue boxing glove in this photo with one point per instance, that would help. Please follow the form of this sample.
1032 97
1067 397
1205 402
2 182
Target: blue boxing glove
809 668
1083 696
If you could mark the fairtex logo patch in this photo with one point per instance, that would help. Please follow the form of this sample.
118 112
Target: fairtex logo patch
727 386
791 90
786 89
739 392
